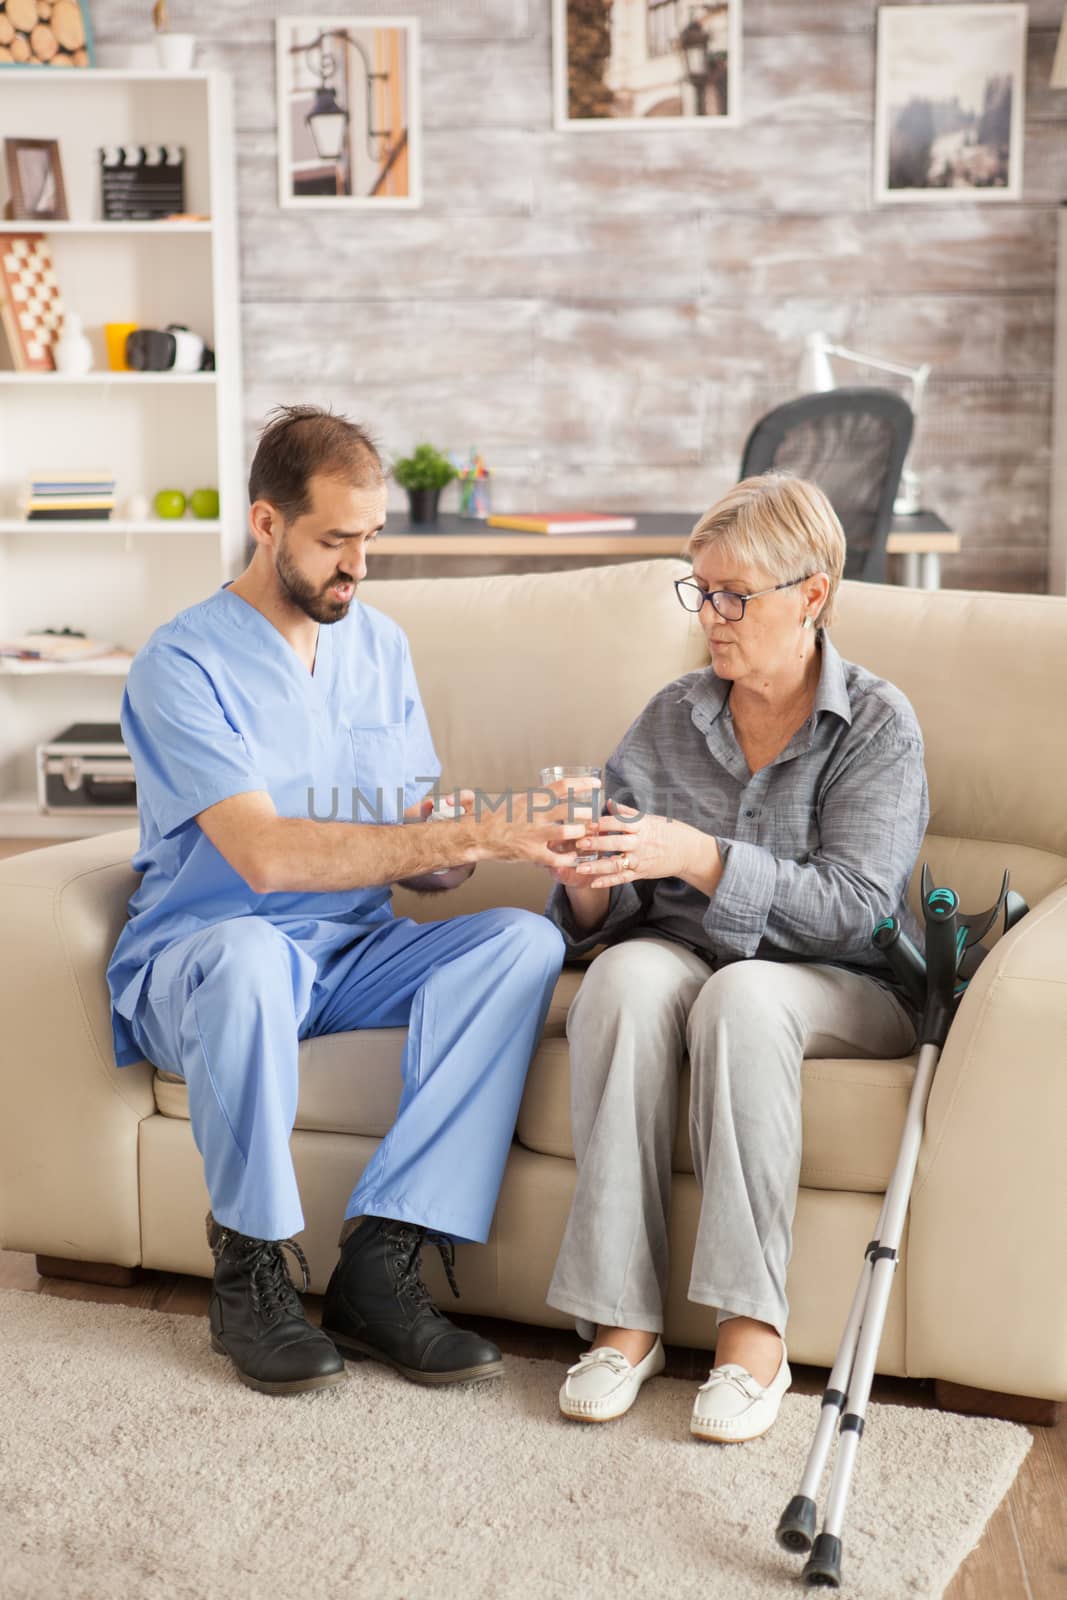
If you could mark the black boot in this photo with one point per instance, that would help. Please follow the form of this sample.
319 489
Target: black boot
257 1318
377 1305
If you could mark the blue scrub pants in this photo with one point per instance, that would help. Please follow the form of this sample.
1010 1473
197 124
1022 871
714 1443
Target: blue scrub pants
225 1008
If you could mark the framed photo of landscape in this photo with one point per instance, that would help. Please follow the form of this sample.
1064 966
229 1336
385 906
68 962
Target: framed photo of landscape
646 64
949 103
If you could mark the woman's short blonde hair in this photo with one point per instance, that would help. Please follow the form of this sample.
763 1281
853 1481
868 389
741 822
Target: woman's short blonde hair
785 525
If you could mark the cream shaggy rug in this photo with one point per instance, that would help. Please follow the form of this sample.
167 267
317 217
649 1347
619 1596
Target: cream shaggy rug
134 1466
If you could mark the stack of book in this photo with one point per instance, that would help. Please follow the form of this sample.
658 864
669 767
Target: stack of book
71 497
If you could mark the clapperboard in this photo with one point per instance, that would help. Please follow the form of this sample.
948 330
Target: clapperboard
142 182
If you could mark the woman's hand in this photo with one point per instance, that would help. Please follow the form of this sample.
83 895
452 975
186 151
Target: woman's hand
629 845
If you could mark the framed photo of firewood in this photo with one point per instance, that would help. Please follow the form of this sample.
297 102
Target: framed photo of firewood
45 33
35 179
349 131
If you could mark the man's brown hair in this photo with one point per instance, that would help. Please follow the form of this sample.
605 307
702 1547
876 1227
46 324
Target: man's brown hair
302 442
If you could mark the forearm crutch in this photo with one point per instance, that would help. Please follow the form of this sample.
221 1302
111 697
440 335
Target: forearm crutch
935 986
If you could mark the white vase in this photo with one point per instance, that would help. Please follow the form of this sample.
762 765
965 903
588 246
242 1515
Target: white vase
72 351
176 51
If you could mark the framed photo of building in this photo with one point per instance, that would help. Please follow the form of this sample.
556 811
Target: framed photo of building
949 103
646 64
348 112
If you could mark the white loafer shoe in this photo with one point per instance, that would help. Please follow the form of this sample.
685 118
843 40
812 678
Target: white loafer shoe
604 1385
732 1406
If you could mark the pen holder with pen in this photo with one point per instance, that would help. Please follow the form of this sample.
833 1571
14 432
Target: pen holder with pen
474 499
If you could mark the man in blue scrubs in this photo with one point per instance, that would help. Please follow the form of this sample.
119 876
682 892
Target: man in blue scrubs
251 718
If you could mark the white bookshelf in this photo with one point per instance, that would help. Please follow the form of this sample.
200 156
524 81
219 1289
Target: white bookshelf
117 579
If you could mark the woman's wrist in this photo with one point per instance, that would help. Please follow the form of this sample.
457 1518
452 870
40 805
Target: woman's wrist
701 862
589 906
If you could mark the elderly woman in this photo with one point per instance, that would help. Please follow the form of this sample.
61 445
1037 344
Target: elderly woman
780 803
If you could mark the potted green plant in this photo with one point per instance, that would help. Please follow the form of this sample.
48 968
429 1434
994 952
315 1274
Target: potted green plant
423 474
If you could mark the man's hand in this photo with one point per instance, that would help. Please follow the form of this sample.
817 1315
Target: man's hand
539 825
461 803
629 845
291 855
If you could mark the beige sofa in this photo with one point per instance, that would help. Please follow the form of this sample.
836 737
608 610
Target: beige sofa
98 1165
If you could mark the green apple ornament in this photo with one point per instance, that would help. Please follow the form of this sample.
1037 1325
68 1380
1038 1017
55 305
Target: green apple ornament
169 503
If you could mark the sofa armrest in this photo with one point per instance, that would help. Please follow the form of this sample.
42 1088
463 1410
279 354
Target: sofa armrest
68 1116
987 1290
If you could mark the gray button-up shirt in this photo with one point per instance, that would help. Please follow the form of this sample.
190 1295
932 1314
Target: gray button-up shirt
817 847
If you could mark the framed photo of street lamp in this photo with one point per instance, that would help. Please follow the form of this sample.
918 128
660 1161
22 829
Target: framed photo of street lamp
949 103
349 132
646 64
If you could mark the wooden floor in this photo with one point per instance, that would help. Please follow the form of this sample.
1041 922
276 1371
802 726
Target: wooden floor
1022 1556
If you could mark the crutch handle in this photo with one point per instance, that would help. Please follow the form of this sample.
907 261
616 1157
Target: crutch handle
907 964
943 950
1015 908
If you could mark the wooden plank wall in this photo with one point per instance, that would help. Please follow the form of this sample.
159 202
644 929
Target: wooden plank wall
606 315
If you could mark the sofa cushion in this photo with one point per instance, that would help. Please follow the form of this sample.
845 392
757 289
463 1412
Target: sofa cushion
853 1111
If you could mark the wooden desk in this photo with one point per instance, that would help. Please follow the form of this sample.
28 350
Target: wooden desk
923 538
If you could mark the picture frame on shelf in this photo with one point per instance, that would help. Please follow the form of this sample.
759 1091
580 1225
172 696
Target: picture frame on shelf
951 83
349 124
35 180
62 38
649 64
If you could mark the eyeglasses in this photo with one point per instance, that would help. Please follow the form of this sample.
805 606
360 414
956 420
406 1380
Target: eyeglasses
730 606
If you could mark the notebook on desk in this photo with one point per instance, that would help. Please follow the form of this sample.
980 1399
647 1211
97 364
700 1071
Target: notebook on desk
563 522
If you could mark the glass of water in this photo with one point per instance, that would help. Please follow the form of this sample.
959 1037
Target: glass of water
593 797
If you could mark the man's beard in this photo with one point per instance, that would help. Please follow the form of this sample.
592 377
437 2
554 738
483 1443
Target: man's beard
315 603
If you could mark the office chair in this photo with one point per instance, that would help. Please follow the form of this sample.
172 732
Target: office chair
852 443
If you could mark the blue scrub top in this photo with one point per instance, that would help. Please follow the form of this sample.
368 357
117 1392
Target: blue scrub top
217 704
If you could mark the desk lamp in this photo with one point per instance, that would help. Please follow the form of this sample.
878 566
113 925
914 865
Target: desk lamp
817 375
